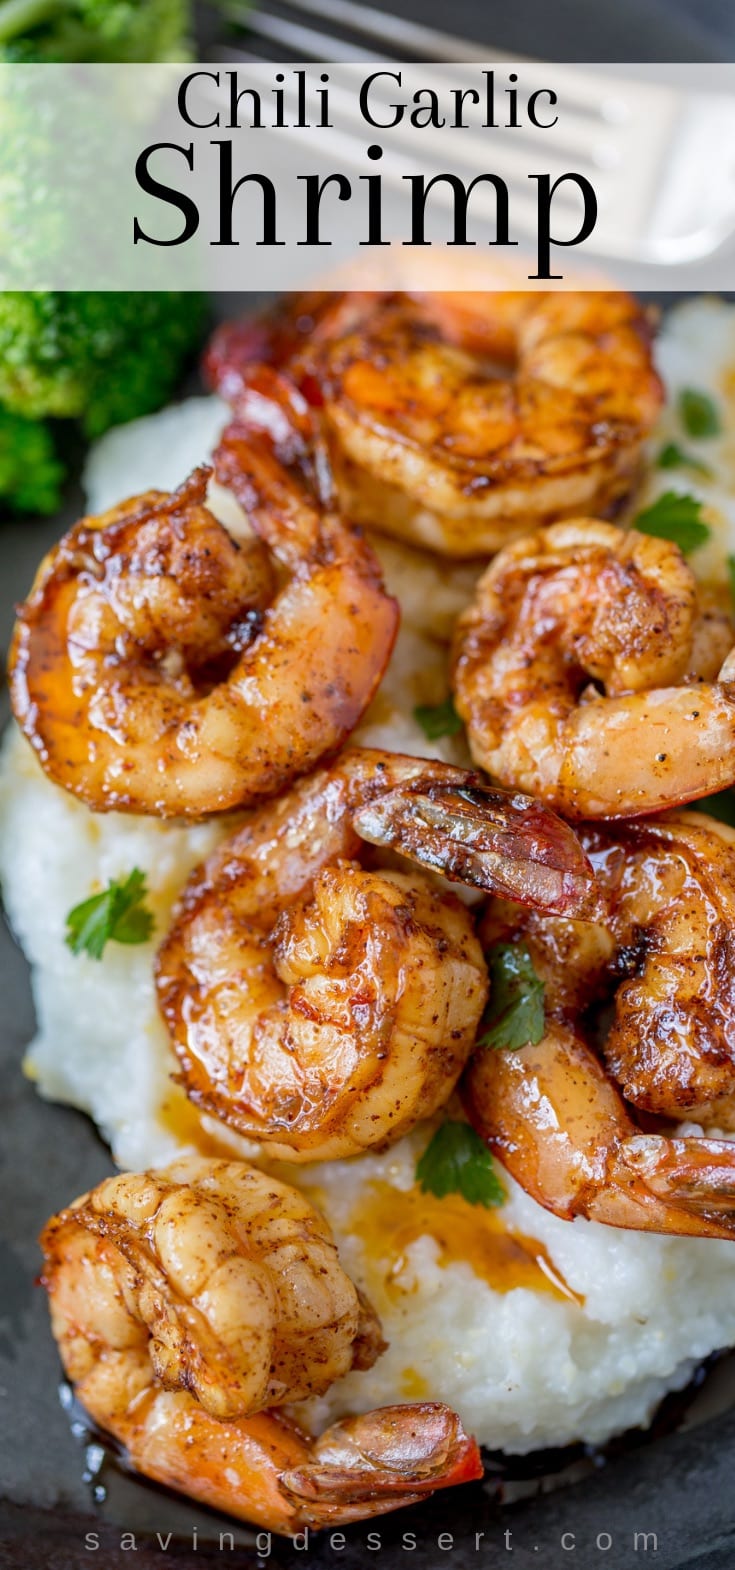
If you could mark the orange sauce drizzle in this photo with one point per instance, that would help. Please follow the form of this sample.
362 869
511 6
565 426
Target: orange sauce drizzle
180 1118
388 1221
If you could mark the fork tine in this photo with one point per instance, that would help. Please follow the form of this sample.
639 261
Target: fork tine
395 35
659 152
586 93
305 43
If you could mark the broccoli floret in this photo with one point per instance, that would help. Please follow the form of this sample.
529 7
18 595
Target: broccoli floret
31 474
99 358
106 30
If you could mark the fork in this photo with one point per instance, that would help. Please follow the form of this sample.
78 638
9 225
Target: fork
656 142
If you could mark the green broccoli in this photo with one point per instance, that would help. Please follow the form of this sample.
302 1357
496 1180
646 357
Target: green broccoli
104 30
99 358
31 475
96 359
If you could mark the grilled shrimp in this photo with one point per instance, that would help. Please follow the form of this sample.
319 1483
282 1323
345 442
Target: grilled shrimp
156 666
190 1304
431 440
589 671
325 1007
661 960
560 1126
665 951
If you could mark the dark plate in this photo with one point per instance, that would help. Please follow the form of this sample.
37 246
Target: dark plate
663 1499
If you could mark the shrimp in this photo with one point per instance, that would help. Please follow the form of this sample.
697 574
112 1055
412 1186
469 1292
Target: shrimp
589 671
194 1303
156 669
666 949
559 1125
324 1007
458 422
662 959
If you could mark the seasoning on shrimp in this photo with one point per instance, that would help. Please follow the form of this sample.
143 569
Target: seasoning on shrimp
662 959
190 1305
157 667
589 671
324 1007
460 421
668 891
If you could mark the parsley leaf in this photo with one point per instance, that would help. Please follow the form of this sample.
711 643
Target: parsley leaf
438 719
515 1014
672 456
698 413
720 806
118 914
675 516
457 1161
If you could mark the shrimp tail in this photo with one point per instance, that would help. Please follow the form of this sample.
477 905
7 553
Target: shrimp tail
559 1125
382 1461
276 338
695 1173
271 410
278 1478
504 842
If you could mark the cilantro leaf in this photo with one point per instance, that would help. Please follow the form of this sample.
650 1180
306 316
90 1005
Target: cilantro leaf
720 806
699 413
675 516
116 915
515 1014
672 456
457 1161
438 719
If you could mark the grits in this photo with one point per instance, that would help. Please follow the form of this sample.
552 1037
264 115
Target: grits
538 1332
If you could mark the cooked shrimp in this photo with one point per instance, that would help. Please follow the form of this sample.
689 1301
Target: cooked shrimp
188 1303
589 671
662 962
665 950
431 441
324 1007
561 1128
153 670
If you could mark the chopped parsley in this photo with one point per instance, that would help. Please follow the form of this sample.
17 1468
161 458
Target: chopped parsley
438 719
457 1161
698 413
672 456
675 516
515 1013
117 915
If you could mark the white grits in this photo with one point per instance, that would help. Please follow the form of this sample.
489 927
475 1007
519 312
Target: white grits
524 1367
